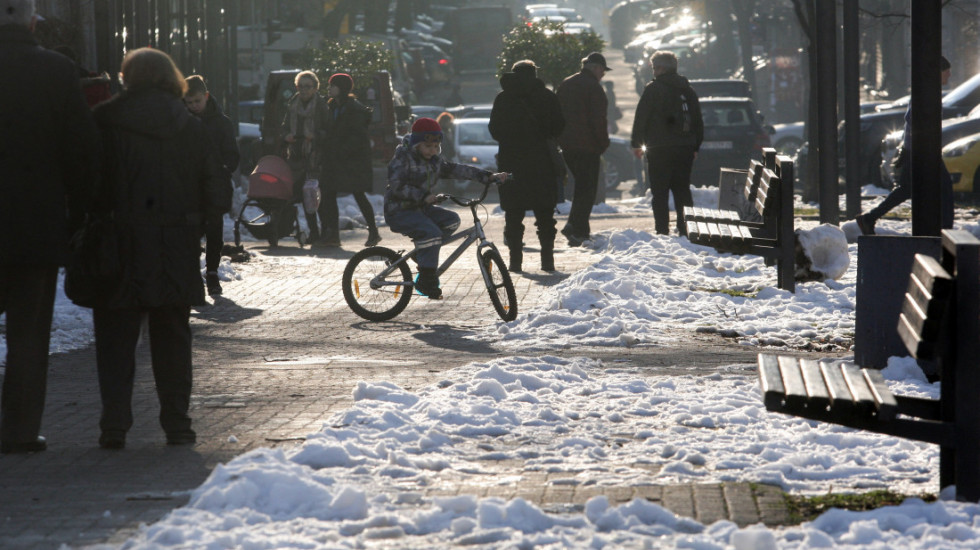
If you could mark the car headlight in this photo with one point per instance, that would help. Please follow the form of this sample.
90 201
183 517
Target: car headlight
959 147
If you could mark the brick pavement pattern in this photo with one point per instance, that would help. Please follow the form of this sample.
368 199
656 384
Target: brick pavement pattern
277 355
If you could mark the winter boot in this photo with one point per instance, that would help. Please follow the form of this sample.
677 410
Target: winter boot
428 283
547 259
213 283
373 237
516 259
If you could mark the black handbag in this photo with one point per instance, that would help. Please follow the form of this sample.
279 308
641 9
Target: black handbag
95 268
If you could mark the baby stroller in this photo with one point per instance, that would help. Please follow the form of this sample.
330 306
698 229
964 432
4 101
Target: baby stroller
271 203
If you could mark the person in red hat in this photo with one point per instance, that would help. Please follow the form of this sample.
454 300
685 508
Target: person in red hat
410 204
345 159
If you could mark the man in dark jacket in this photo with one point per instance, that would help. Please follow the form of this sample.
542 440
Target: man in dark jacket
585 138
221 131
668 123
525 115
48 144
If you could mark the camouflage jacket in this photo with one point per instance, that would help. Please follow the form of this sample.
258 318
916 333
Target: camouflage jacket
411 177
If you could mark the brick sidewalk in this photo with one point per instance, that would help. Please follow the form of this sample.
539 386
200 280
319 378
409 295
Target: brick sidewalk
279 354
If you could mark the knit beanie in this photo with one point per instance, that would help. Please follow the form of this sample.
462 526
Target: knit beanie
342 81
425 129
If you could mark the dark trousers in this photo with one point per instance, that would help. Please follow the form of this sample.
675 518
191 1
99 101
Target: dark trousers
585 170
427 227
214 234
670 172
116 335
903 192
27 297
544 220
330 214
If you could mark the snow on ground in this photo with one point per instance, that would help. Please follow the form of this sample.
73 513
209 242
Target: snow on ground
368 478
371 477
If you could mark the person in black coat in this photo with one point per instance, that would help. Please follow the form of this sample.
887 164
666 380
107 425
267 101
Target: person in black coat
48 148
524 116
668 123
160 178
221 132
345 159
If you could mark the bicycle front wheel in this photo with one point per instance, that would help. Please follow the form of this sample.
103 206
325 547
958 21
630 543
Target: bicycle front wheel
498 282
385 301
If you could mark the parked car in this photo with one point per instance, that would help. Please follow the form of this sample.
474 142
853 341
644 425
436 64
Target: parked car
721 87
733 134
251 111
953 129
875 126
473 144
962 158
787 138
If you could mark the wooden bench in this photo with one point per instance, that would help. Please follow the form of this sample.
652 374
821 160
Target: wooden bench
773 238
940 321
752 180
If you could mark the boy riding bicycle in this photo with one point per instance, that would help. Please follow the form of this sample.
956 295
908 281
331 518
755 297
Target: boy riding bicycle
410 206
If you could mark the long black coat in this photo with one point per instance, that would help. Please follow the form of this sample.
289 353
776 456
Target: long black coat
48 149
160 175
525 114
346 147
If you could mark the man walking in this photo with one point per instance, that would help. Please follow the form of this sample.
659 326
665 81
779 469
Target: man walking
48 141
585 138
668 122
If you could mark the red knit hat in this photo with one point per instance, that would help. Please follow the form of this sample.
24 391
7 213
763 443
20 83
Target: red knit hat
425 129
342 81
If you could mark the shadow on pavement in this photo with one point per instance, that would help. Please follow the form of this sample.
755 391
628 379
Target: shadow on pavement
449 337
224 310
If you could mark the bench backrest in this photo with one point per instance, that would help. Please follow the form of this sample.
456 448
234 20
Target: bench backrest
767 194
924 307
752 180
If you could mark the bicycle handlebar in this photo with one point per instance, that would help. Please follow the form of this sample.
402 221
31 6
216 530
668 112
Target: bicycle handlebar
441 197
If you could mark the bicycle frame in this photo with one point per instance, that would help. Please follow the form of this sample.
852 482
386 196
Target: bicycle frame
469 236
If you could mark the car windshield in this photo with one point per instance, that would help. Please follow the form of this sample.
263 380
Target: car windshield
475 134
725 115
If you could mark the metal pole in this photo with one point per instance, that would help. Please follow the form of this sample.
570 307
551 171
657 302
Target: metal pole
852 107
926 118
826 33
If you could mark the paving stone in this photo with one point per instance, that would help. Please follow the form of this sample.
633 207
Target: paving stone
275 358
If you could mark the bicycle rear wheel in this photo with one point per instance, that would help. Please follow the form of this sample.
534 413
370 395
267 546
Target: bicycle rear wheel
498 282
384 302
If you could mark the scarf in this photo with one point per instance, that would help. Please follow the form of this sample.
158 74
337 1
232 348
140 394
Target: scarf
308 113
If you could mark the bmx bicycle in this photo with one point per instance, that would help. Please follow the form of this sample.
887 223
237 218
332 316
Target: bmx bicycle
378 282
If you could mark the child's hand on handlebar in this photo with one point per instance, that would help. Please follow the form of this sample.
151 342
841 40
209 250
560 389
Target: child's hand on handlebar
501 177
435 199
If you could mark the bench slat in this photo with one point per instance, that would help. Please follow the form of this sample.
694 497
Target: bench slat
886 403
933 277
864 400
840 395
816 388
771 382
789 369
929 290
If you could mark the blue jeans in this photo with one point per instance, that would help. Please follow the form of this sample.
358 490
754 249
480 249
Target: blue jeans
427 227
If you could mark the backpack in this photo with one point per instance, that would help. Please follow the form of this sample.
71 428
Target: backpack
677 111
